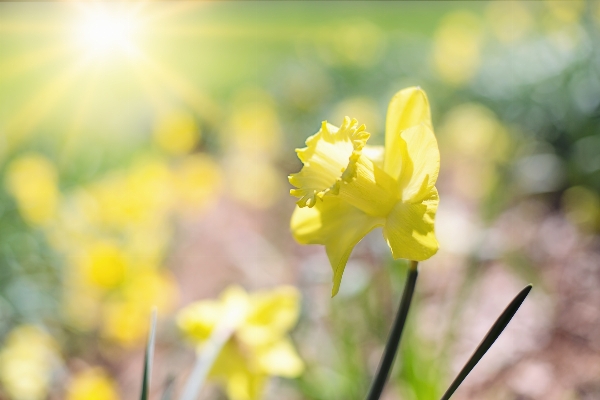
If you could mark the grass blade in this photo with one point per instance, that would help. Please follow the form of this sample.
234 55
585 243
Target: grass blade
488 340
148 356
393 342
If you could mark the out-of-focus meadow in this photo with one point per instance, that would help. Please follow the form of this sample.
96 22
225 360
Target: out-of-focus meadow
144 154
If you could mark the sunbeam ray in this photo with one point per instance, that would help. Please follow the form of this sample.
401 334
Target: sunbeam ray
150 87
199 102
28 116
76 123
30 61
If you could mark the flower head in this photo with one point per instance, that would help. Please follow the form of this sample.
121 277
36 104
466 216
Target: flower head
27 360
92 384
33 181
347 188
259 346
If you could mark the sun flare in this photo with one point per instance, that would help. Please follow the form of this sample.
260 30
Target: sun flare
107 30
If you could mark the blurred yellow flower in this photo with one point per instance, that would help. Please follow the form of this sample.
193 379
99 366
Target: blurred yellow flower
136 197
197 181
346 188
127 316
259 346
124 322
80 304
582 207
32 180
358 43
177 133
254 125
509 20
26 363
566 11
92 384
115 233
253 180
457 47
152 288
474 157
105 264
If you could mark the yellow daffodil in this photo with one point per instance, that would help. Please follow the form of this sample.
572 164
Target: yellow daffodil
347 188
125 318
33 181
105 264
258 347
177 133
92 384
457 47
196 183
26 362
139 196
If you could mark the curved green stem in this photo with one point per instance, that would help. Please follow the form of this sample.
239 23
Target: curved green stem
206 358
395 335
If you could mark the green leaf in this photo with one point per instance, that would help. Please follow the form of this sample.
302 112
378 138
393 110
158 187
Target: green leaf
148 356
488 340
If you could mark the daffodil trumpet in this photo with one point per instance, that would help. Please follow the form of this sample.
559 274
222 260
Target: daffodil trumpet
347 188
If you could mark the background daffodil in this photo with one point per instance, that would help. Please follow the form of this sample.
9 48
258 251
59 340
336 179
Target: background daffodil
258 347
347 188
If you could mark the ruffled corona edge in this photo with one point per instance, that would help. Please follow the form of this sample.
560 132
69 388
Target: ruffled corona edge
329 159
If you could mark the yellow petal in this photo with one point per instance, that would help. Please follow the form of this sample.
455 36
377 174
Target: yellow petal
409 229
243 380
272 314
337 225
236 304
280 359
246 386
198 320
92 384
177 133
105 264
33 180
231 360
421 165
408 108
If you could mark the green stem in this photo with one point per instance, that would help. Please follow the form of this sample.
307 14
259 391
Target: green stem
488 340
395 335
148 357
206 358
